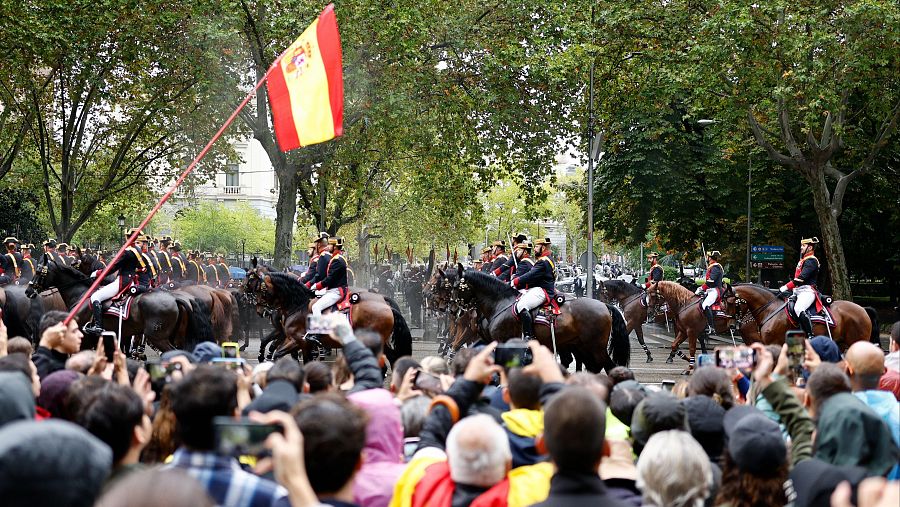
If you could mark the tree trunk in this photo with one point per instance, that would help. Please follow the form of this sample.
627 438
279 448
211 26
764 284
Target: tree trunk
362 239
286 210
831 236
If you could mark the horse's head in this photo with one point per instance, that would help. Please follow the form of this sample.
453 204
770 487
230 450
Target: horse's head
461 290
653 295
438 291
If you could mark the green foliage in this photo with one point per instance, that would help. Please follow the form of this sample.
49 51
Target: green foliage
215 227
18 214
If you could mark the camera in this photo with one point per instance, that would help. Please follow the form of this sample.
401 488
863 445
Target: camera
736 357
513 354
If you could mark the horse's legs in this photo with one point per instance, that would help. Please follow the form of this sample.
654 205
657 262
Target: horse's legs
692 350
680 336
637 322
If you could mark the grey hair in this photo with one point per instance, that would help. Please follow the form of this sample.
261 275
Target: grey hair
435 365
478 451
413 413
674 471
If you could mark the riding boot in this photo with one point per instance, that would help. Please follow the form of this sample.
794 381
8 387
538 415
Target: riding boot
96 326
710 321
527 324
805 323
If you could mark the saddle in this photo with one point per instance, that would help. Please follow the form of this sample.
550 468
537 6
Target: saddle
119 306
346 303
821 314
717 308
547 312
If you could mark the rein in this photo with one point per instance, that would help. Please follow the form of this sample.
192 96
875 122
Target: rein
755 314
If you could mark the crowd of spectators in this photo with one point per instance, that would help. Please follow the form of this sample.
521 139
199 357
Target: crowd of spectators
79 430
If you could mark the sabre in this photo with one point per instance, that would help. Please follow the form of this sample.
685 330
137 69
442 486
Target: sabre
515 262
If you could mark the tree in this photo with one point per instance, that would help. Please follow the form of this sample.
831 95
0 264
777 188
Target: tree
19 216
215 227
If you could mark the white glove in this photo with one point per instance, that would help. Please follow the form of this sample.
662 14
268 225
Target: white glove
783 288
512 284
699 291
94 274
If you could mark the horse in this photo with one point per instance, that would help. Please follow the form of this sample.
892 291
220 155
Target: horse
371 311
628 297
689 321
760 305
159 317
594 329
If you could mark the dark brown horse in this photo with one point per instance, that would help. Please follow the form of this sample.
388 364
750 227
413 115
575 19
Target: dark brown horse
761 306
372 311
690 323
594 329
628 297
163 320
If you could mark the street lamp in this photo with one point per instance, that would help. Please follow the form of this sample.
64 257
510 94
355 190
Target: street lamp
706 122
121 221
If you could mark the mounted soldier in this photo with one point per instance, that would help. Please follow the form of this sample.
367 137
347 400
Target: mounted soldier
62 252
524 262
486 260
150 253
313 252
130 266
804 283
540 282
324 256
654 275
712 289
164 259
499 258
195 273
179 263
27 262
222 270
11 262
212 274
72 255
508 269
50 249
333 287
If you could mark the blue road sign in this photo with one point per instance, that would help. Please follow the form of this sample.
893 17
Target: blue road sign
767 249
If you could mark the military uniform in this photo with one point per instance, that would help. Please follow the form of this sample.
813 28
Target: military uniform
223 272
310 272
508 270
11 262
212 274
656 271
486 261
195 273
27 262
806 275
164 259
541 283
324 256
499 260
712 289
50 249
131 267
333 285
179 263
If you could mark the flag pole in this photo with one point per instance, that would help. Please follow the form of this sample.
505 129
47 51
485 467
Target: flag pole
168 194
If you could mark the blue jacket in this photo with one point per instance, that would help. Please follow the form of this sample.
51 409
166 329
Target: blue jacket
542 274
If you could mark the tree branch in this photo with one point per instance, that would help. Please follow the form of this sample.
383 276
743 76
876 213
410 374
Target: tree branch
774 154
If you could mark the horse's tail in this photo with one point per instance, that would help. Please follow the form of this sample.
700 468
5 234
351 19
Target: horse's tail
236 324
619 345
219 321
199 328
401 337
875 336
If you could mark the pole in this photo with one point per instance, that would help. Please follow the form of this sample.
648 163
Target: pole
589 279
322 203
749 176
168 194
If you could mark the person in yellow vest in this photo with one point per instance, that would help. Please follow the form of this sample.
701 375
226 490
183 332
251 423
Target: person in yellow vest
130 266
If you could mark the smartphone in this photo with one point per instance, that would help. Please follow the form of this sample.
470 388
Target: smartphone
230 363
736 357
706 360
161 371
109 344
796 353
512 355
427 382
231 349
242 437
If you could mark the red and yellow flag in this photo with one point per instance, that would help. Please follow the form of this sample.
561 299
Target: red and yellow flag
306 86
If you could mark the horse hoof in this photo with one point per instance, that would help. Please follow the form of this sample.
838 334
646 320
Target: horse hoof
670 360
261 358
649 359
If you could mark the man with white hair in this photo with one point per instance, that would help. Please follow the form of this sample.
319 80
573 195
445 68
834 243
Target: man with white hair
469 462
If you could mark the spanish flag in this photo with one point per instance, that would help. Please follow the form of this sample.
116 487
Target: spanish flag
306 86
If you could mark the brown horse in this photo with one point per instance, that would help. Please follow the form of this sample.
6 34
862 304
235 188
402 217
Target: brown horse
628 297
594 329
760 305
372 311
690 323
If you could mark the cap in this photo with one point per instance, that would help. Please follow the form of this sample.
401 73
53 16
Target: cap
754 441
204 352
652 254
714 254
172 354
520 237
311 245
63 246
323 236
486 250
501 243
29 246
10 239
524 245
50 243
176 246
542 241
336 241
73 248
810 241
827 350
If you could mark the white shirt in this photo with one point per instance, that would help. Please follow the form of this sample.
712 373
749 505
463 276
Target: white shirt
892 361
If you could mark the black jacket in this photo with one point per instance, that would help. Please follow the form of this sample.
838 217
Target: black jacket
542 275
366 372
278 395
809 272
47 361
129 264
335 273
714 276
572 488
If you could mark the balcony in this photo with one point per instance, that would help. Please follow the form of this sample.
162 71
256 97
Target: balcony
229 189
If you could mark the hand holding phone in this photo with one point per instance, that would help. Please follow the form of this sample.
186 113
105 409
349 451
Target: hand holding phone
242 437
796 353
109 344
427 382
740 357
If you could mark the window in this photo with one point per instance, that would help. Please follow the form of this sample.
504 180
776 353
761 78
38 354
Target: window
232 176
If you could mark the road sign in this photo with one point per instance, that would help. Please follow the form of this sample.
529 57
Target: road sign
767 265
767 249
767 256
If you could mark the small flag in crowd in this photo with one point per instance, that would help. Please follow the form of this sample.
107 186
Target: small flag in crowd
306 87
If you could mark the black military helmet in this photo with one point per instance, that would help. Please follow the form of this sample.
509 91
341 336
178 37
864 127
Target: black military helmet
176 246
10 239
